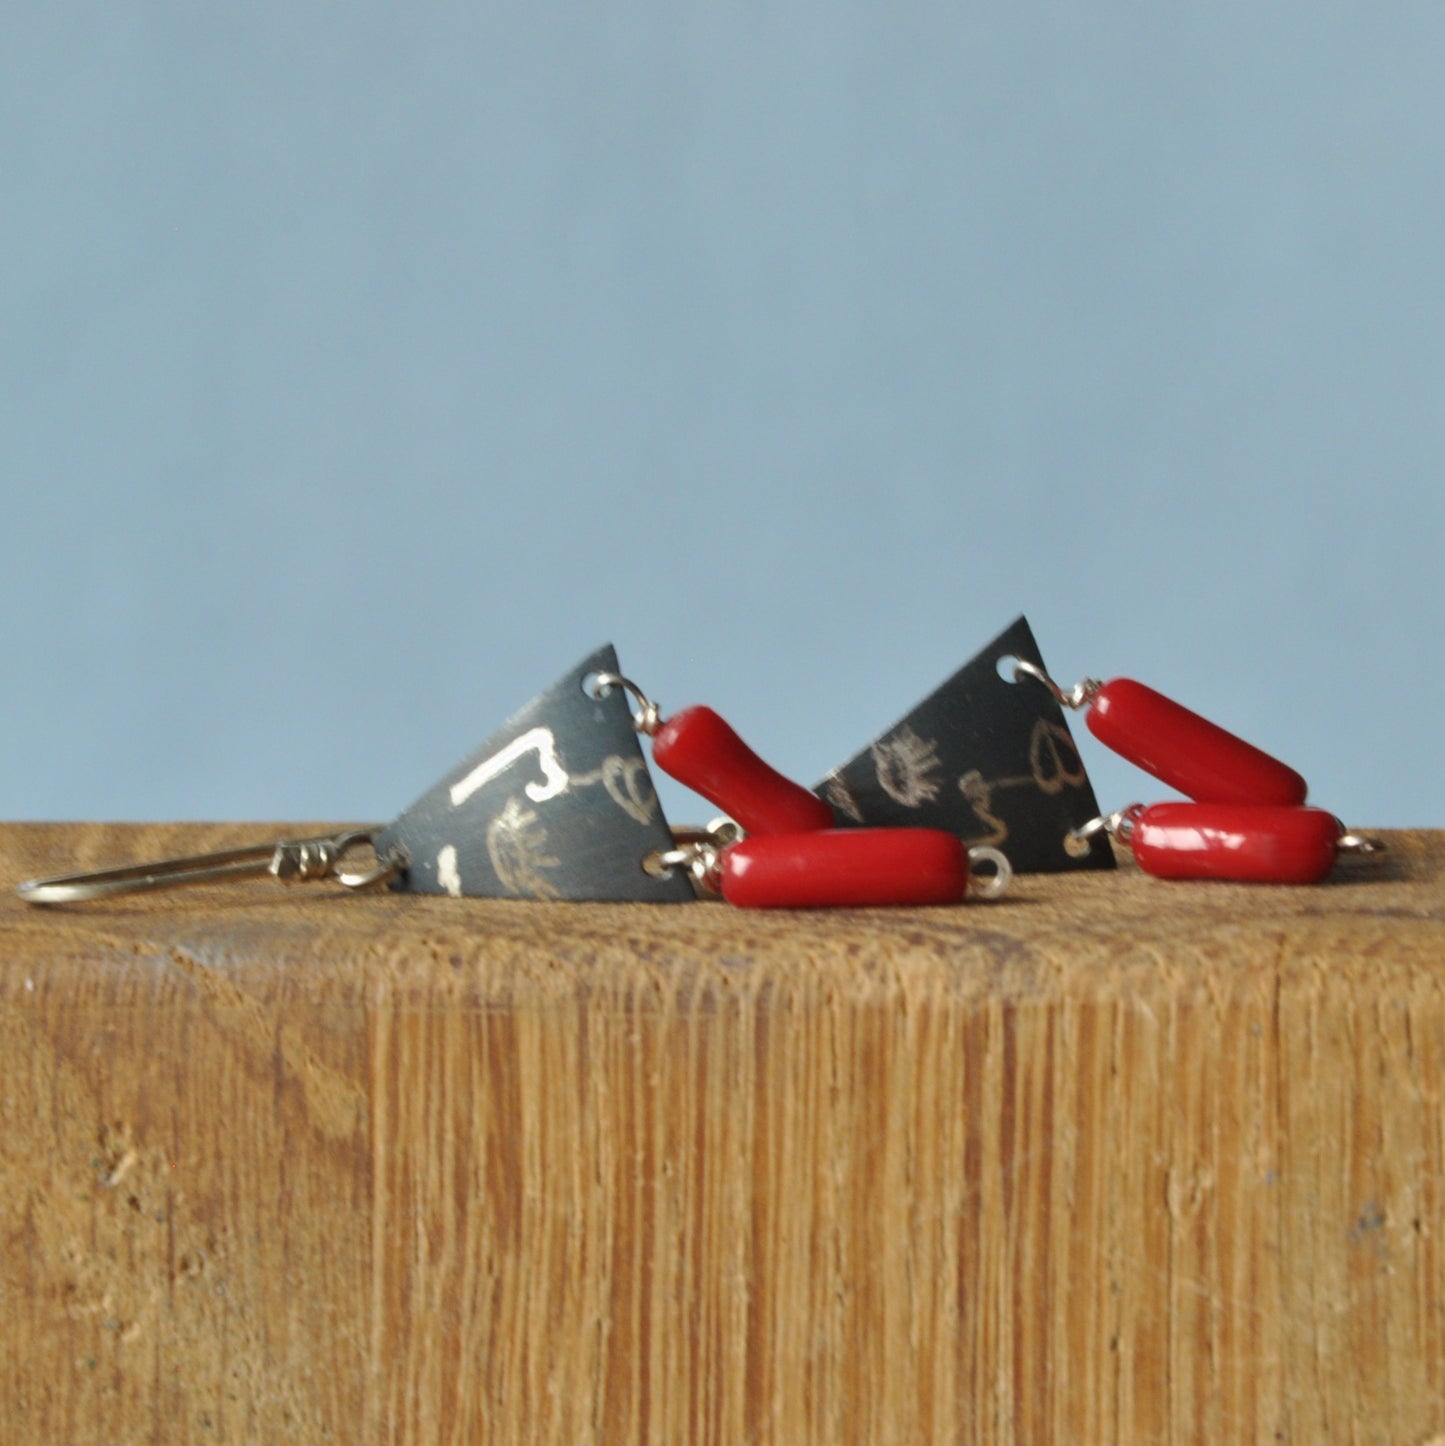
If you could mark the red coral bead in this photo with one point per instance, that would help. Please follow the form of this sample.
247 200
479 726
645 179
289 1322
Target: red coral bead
702 750
1248 843
1188 752
842 867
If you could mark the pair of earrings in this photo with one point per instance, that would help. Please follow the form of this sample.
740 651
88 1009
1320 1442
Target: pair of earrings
978 780
1247 819
559 804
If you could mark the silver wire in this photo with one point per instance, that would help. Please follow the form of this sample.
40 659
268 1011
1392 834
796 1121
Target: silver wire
1119 824
288 861
988 886
648 718
1079 696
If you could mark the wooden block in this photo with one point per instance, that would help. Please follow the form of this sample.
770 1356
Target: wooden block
1111 1160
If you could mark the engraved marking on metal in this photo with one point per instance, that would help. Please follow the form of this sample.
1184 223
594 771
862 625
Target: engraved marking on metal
517 846
988 759
447 875
907 767
556 804
545 746
627 783
836 792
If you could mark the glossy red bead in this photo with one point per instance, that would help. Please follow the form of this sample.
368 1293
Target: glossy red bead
1188 752
700 749
1267 844
841 867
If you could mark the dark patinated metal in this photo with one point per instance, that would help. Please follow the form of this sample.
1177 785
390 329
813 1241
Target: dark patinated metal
556 804
986 758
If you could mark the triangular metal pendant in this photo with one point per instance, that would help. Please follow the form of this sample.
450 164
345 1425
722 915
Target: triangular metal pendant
987 759
556 804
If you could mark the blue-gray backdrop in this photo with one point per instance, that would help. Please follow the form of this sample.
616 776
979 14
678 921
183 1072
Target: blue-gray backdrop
366 364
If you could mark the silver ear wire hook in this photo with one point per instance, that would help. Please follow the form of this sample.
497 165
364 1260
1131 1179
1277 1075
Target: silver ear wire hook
288 861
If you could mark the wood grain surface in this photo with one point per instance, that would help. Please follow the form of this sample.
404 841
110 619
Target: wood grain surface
1112 1160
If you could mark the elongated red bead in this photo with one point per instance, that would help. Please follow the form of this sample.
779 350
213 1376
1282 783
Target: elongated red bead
1188 752
1267 844
702 750
841 867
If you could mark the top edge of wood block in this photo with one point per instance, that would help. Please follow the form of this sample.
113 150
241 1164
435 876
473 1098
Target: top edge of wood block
1376 922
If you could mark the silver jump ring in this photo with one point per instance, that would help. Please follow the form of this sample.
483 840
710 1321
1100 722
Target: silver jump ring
664 861
648 718
1079 696
697 851
1092 829
1359 843
990 886
1119 825
383 871
698 858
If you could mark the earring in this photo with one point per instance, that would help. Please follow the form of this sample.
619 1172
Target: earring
558 804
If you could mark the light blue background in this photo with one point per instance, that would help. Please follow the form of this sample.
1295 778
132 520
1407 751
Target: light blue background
364 365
